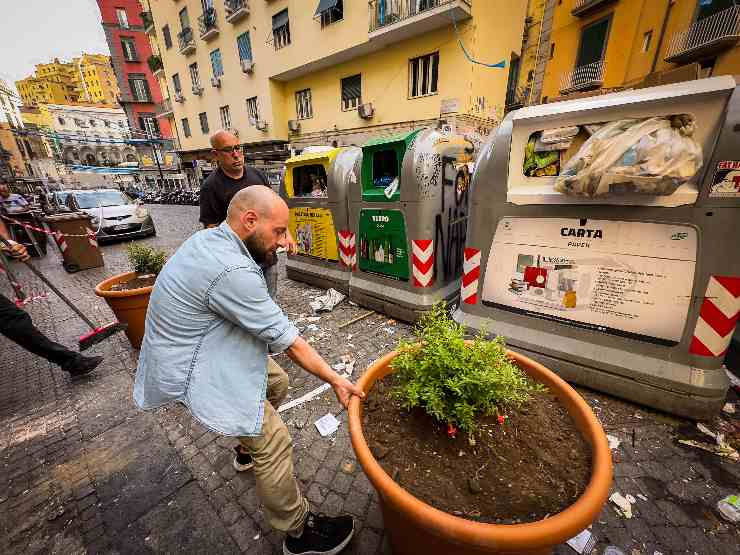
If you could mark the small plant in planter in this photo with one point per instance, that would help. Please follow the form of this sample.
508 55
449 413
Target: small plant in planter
476 449
127 294
456 381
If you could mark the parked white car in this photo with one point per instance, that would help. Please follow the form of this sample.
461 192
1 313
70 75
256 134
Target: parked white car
115 215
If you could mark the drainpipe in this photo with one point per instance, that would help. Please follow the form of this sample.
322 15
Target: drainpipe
668 9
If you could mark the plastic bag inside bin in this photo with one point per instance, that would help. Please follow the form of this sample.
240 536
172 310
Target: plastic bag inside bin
651 156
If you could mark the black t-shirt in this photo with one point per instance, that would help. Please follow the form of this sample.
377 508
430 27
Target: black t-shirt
218 189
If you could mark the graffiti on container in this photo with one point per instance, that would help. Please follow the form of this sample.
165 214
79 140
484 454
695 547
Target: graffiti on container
451 240
427 170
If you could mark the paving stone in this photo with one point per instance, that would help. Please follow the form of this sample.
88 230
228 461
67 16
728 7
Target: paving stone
316 494
356 503
230 513
324 476
669 536
250 500
341 482
374 516
306 467
367 542
674 513
243 533
332 505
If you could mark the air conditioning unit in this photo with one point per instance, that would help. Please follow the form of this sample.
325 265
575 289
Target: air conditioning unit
216 82
294 126
179 97
261 125
198 90
247 66
366 111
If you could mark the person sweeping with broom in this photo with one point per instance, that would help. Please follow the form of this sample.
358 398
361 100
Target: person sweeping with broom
16 325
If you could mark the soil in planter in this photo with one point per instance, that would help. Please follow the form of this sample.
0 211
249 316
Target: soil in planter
533 465
135 282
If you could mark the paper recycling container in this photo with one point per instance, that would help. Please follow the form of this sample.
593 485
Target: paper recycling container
408 208
76 241
614 261
315 186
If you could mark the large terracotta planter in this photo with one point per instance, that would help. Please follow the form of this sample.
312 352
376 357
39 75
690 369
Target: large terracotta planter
415 527
128 306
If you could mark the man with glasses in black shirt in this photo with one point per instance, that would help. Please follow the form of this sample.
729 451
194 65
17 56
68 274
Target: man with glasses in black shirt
220 187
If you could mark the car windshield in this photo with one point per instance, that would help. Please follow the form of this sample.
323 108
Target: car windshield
93 199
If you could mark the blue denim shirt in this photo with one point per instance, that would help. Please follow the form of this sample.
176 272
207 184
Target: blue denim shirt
208 327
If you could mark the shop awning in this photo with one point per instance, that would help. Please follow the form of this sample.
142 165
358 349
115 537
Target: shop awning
325 5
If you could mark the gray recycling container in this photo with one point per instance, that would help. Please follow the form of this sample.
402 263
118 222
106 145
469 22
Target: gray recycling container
632 294
408 208
315 186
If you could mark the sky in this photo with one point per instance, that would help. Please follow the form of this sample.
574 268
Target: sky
37 31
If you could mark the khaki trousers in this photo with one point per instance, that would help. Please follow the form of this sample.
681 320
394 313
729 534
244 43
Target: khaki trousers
272 452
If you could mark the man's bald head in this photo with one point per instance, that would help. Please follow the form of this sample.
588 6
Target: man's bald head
259 198
222 138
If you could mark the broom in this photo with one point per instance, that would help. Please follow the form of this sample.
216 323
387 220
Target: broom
96 333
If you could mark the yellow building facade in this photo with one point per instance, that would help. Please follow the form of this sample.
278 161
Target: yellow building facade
87 79
614 44
282 72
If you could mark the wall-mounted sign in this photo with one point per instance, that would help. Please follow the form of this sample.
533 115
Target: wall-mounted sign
726 180
624 278
314 233
382 243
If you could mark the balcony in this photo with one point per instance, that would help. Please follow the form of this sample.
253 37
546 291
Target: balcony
236 10
148 20
517 98
155 64
186 41
164 110
585 7
396 20
207 24
705 38
583 78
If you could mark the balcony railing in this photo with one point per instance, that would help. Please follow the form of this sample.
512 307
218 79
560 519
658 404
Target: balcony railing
705 37
148 20
236 9
582 7
186 40
388 12
165 108
208 25
590 76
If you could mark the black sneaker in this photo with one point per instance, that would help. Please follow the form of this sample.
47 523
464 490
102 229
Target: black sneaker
242 461
322 535
81 366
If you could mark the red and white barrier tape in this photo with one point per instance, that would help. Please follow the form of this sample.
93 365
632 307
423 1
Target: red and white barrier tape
718 315
422 258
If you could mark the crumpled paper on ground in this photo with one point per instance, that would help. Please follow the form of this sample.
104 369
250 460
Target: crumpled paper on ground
327 302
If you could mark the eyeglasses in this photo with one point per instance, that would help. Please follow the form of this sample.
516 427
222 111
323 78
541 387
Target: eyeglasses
230 149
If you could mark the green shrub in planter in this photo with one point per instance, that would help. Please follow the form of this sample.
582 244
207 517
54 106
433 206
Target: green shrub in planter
145 260
455 382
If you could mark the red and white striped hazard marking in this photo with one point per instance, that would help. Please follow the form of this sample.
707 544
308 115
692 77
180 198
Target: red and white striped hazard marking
422 258
471 274
347 249
717 318
91 238
61 242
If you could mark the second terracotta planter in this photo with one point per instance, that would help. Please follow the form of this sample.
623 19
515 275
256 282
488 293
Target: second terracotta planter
129 306
415 527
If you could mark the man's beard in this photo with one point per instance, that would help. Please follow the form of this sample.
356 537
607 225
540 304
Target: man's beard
260 253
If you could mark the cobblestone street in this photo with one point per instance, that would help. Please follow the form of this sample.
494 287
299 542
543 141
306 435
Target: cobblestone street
83 470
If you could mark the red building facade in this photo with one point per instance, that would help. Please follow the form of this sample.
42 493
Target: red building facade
130 55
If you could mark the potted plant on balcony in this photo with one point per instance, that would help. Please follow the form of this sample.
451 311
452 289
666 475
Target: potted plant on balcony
127 294
476 449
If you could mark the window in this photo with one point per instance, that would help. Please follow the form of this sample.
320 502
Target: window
107 123
184 19
186 127
351 92
225 117
203 117
194 77
176 83
216 63
139 87
552 50
646 39
244 45
253 110
122 17
593 43
148 123
423 75
92 123
332 14
129 49
280 30
167 36
303 108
